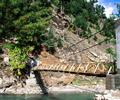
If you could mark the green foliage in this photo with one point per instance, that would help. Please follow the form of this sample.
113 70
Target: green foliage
109 28
89 15
59 43
24 20
51 41
18 56
55 2
112 53
80 22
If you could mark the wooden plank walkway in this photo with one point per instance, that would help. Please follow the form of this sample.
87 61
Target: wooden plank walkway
82 68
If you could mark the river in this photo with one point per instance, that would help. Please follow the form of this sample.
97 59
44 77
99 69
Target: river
65 96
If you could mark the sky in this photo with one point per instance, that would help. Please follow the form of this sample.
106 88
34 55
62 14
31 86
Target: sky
110 6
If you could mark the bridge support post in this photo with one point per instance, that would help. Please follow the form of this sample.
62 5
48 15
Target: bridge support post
113 81
118 45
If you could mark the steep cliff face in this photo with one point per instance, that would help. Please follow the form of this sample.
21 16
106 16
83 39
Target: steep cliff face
73 50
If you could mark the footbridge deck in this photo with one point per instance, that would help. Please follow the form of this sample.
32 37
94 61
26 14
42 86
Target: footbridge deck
82 68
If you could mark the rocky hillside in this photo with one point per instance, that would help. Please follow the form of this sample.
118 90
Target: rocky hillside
72 45
68 53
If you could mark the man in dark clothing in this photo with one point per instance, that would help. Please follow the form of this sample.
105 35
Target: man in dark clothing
30 64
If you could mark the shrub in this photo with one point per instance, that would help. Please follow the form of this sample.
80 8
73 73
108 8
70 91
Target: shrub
17 56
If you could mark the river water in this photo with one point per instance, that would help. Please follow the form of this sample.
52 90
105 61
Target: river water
71 96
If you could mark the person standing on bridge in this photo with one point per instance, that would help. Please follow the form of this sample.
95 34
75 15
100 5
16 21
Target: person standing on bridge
30 63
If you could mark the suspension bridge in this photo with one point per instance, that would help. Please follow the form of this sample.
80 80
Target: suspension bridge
86 68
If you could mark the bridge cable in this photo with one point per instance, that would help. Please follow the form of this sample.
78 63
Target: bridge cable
85 39
89 47
81 41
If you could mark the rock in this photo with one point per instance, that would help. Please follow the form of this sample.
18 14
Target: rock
67 79
31 81
8 79
1 81
58 80
5 85
116 93
6 59
11 90
99 97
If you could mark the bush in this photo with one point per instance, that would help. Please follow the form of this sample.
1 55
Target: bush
112 53
17 56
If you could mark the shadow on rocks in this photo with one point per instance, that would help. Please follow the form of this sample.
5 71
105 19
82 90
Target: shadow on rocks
40 82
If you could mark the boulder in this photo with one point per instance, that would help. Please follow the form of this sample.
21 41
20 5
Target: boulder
5 85
1 80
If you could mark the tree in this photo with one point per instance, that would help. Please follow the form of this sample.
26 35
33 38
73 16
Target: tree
89 15
24 23
25 20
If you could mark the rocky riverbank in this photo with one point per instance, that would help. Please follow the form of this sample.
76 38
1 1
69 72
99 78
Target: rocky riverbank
100 92
32 87
35 84
37 90
54 85
108 95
